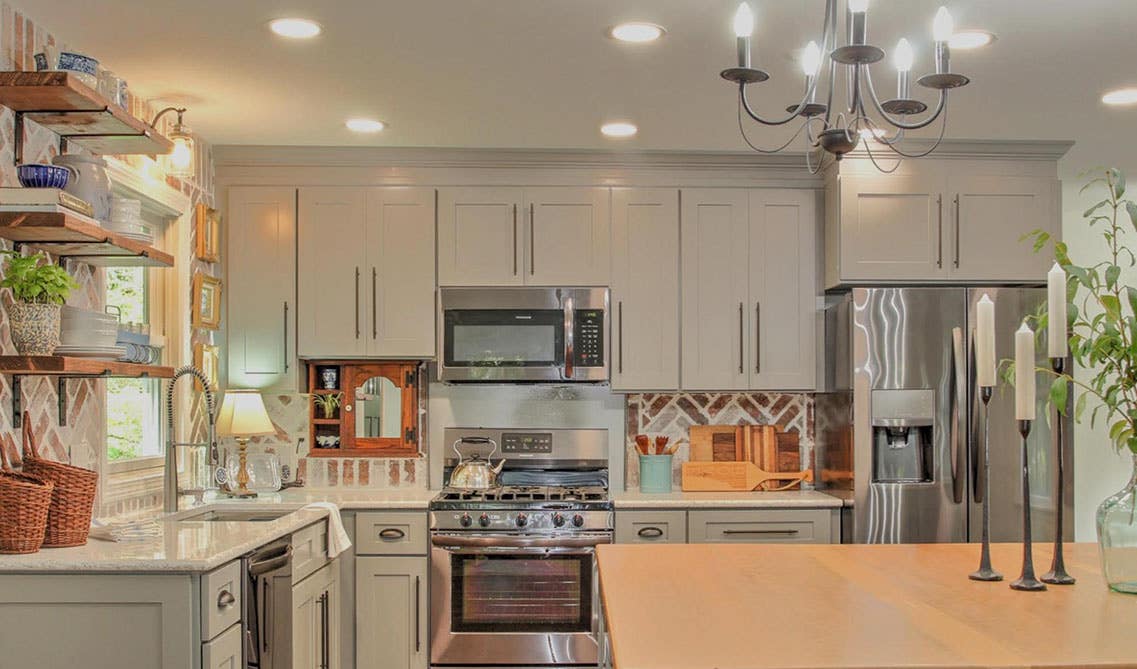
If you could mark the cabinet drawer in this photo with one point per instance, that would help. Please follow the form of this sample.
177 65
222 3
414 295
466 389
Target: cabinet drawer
224 652
220 599
776 526
390 533
309 550
651 527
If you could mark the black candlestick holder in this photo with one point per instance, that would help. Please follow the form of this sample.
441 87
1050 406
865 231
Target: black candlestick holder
1057 574
1027 580
985 571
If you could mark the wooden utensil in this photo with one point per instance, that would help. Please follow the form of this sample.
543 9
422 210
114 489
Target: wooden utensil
643 444
661 444
735 476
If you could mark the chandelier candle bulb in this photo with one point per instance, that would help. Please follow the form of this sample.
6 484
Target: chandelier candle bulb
1056 310
743 29
985 343
810 64
858 15
1024 373
942 28
903 58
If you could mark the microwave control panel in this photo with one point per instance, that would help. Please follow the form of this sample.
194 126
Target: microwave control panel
588 335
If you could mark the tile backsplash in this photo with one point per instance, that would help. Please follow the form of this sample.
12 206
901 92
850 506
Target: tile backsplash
672 414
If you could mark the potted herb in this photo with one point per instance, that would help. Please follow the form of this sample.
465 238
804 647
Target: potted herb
39 288
1102 315
328 403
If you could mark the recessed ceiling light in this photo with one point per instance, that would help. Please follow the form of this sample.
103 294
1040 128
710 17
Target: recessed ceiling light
636 32
295 28
364 125
618 129
1121 96
971 39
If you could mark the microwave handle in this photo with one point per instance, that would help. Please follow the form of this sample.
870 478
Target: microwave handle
570 329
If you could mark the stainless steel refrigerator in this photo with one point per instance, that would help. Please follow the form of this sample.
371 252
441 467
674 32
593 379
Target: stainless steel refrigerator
899 423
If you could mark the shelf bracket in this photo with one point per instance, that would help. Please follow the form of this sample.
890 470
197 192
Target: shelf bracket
18 139
61 389
17 404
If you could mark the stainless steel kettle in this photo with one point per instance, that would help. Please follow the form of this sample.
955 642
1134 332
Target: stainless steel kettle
475 473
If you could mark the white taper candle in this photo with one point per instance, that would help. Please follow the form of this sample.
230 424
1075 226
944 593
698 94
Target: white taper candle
1024 373
1057 345
985 342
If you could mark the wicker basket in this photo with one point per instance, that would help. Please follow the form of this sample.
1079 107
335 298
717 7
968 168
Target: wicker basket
72 500
24 501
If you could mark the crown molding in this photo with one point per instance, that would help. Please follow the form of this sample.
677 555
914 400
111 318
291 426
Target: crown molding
976 149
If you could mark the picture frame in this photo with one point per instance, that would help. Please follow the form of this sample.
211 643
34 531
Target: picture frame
207 225
206 301
207 358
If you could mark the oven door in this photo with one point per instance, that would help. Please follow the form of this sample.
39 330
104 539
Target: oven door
501 599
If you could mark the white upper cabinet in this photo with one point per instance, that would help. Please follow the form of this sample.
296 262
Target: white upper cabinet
366 274
715 233
400 269
644 352
891 227
333 259
261 290
991 216
783 289
480 237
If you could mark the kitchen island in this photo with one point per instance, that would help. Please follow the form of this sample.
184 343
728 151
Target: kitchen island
846 606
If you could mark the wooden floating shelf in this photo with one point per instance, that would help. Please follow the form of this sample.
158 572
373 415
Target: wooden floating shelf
75 111
56 365
325 421
77 237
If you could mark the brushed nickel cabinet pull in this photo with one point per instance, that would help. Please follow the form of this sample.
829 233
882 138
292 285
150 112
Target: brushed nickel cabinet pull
650 532
757 337
391 533
957 231
225 599
741 341
374 304
418 614
357 303
780 533
940 232
514 239
620 350
286 337
532 242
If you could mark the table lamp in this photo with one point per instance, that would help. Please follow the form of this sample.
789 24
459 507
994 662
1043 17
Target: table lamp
243 417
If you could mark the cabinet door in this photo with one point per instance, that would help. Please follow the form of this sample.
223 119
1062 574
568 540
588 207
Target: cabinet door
783 289
892 228
390 596
990 215
645 289
315 620
651 527
399 282
479 237
714 263
261 288
774 526
330 275
568 236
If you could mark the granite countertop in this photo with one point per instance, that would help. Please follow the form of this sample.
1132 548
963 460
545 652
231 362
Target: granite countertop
811 499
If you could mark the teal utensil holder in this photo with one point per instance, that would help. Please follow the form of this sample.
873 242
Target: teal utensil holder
655 474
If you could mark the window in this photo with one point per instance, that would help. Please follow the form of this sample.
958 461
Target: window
134 428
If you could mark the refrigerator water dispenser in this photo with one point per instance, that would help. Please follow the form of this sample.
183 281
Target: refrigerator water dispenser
903 425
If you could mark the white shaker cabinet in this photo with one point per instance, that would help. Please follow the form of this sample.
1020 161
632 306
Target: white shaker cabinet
366 272
261 287
715 272
568 237
315 620
391 613
644 308
990 216
480 237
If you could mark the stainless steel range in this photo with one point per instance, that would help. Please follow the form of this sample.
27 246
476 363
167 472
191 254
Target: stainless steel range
513 570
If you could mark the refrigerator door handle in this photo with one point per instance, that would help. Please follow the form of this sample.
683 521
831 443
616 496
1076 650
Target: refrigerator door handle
958 430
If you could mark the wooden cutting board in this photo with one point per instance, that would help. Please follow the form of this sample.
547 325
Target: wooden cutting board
735 476
716 443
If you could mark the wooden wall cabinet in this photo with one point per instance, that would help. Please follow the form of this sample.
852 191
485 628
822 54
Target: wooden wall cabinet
366 272
261 291
539 236
644 311
378 412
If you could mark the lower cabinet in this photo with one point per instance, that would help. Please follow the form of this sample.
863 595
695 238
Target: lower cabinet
315 620
391 612
224 652
651 527
765 526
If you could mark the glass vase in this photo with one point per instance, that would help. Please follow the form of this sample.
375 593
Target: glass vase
1117 535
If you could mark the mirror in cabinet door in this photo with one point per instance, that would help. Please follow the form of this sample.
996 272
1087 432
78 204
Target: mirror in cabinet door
364 409
261 288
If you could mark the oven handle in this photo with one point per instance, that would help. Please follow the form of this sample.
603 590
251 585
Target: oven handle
450 541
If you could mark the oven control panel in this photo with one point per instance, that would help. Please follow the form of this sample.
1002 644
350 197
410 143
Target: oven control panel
514 521
588 338
526 442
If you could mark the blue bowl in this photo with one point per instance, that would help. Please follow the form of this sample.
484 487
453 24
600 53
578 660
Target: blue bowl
43 176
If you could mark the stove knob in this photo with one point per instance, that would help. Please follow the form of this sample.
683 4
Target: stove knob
558 519
465 520
484 520
522 520
578 520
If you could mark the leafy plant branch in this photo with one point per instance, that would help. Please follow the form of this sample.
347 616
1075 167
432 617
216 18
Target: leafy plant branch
34 280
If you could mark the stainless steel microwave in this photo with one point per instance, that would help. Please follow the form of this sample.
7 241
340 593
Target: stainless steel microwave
504 334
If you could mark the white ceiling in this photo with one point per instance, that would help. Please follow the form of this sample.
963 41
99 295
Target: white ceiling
541 73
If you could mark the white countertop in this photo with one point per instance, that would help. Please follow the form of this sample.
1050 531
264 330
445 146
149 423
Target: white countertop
811 499
347 499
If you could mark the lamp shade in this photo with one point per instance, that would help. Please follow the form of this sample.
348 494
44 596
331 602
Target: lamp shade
243 415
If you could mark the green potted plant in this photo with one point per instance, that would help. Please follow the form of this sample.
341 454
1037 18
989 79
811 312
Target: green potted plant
328 403
1102 315
39 288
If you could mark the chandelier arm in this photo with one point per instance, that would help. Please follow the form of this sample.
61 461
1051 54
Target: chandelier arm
872 158
922 154
940 106
752 145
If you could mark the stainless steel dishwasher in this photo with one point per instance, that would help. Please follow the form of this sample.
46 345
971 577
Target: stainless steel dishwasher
268 606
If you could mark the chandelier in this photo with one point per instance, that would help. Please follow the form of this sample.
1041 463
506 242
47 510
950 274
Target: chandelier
837 132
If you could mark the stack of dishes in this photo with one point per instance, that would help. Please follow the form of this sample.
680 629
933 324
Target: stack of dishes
126 219
88 334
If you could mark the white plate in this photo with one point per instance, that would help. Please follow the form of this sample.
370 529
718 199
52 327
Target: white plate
110 352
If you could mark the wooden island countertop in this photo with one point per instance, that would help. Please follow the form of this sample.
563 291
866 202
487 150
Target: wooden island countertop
855 606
